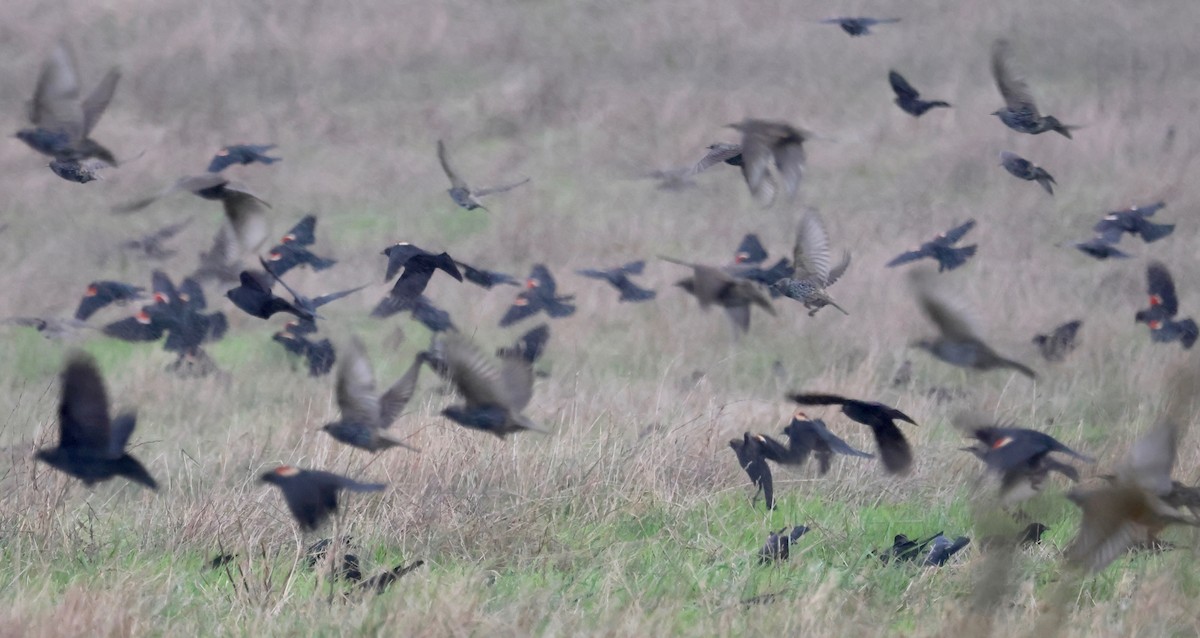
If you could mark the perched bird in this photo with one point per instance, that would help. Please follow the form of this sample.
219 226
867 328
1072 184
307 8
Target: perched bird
1020 456
494 390
909 99
1060 342
319 355
1133 221
942 548
460 192
812 273
150 246
1100 248
349 570
1164 305
1020 113
62 122
312 495
958 342
779 545
894 449
619 278
91 447
241 154
711 285
766 144
486 278
807 436
365 412
718 153
753 451
858 26
942 249
78 171
1020 167
380 582
103 293
540 294
292 250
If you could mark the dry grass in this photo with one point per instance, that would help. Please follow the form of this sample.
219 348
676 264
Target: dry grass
632 519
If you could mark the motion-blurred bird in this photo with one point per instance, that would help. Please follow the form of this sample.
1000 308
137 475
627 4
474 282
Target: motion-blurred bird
750 251
540 294
176 313
860 25
1020 113
619 278
1100 248
1020 456
718 153
812 274
1164 305
807 436
292 249
365 412
1060 342
100 294
909 99
528 346
1020 167
1133 221
486 278
711 285
460 192
942 249
312 495
241 154
78 171
319 355
495 391
770 148
62 122
753 451
894 450
151 245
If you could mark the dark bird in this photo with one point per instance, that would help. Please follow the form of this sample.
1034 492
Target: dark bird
312 495
711 285
858 26
904 548
811 267
942 249
1100 248
254 296
942 548
750 251
418 266
769 148
619 278
380 582
91 447
175 313
150 246
365 412
894 449
319 355
420 307
241 154
62 122
486 278
1020 456
292 250
779 545
1020 167
958 342
494 390
718 153
528 346
1032 534
807 436
753 451
1164 305
1020 113
349 570
1060 342
100 294
540 294
460 192
1133 221
909 99
78 171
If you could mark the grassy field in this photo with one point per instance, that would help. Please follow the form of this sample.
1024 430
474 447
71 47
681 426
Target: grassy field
633 518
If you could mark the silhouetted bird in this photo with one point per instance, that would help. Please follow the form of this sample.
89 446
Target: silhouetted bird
312 495
380 582
718 153
1020 167
1020 456
365 412
905 549
62 122
540 294
1164 305
103 293
150 246
812 273
292 250
420 307
753 451
619 278
942 548
1133 221
418 266
942 249
91 447
779 545
767 144
528 346
1100 248
750 251
494 390
1060 342
711 285
1020 113
319 355
175 313
241 154
860 25
894 449
909 99
460 192
486 278
807 436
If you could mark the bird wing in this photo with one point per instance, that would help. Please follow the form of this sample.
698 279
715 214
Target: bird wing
789 159
516 374
902 87
756 167
1013 89
950 316
717 154
958 232
1161 287
476 375
83 411
904 258
498 189
356 395
247 213
334 296
97 101
455 180
393 401
810 253
55 99
837 271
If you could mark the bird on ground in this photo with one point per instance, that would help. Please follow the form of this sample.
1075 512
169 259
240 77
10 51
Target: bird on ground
807 436
365 413
769 149
942 548
1164 305
100 294
1024 169
753 451
539 294
619 278
1101 249
894 450
1032 534
779 545
905 549
811 272
1020 456
1133 221
460 192
312 495
349 570
1020 112
909 99
942 249
711 285
91 446
495 391
292 249
1060 342
380 582
860 25
241 154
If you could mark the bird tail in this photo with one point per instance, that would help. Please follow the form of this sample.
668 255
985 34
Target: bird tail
1190 333
956 257
133 470
1053 124
1045 179
1154 232
1019 367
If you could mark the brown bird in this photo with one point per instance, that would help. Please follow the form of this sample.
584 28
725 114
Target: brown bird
366 413
62 122
495 389
460 192
766 144
712 285
959 342
1020 113
812 273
